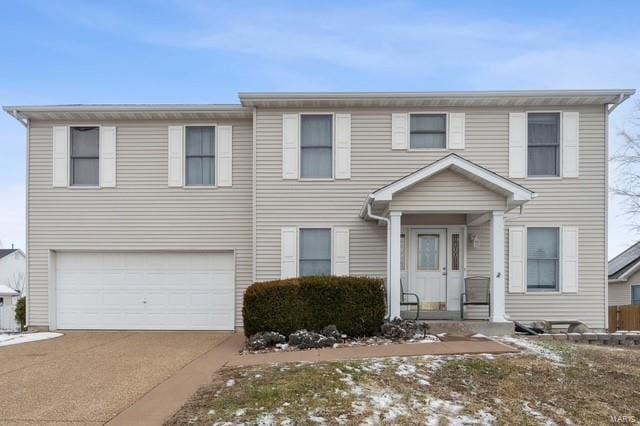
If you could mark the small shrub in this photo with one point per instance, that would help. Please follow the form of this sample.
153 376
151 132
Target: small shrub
304 339
273 306
265 340
354 305
21 312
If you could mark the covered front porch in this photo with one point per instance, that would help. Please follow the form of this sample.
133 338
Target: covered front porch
446 240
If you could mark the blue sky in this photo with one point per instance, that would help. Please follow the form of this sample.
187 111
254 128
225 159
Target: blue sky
196 51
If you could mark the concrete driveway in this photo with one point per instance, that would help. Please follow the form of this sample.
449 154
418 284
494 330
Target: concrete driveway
90 377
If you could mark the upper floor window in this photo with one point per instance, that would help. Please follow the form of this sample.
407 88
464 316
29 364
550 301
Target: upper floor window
315 252
200 155
85 156
543 144
316 147
543 259
428 131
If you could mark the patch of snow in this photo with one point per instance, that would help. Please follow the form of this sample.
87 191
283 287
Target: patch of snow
342 419
419 338
17 339
439 405
384 399
405 370
317 419
541 418
230 383
211 412
488 356
240 412
395 411
479 335
266 420
533 348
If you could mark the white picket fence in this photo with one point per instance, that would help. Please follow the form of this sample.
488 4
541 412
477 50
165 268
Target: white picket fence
8 318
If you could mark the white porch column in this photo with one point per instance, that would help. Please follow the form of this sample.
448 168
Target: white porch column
497 267
394 264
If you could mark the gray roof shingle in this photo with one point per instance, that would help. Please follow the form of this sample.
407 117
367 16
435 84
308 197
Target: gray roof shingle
624 261
5 252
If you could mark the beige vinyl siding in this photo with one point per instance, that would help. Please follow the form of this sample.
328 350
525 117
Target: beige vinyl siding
579 202
619 293
447 191
141 212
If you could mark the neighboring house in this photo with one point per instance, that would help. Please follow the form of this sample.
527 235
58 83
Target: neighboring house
13 268
160 216
624 277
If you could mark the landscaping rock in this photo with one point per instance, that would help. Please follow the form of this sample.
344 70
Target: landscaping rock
331 331
304 339
578 328
264 340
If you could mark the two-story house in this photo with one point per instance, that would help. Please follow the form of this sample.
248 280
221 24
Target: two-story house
160 216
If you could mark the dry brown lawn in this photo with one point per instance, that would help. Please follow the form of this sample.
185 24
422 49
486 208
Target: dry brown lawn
578 384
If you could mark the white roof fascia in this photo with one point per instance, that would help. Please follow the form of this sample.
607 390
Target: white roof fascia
517 193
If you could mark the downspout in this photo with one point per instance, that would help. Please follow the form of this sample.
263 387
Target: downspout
386 220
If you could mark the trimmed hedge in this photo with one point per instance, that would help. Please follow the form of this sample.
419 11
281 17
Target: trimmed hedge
355 305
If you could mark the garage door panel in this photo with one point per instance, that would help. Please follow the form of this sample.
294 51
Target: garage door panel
146 291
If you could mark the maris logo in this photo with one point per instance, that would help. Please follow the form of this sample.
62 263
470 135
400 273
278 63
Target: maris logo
623 419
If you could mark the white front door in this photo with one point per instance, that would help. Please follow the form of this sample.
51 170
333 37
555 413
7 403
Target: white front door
428 267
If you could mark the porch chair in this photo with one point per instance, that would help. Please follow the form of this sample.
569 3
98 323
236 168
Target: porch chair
405 302
477 292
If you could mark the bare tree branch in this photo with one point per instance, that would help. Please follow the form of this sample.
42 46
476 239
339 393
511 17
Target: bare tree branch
626 162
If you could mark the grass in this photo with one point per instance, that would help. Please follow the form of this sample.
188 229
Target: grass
590 385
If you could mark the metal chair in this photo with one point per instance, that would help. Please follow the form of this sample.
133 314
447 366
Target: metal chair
477 292
405 302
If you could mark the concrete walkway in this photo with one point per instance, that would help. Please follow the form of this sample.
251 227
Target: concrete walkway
469 346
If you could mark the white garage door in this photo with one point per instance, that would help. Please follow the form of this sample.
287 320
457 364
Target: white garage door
145 291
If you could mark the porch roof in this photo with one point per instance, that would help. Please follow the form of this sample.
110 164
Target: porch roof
514 193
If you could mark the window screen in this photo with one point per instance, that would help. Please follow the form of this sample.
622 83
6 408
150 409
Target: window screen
428 131
543 262
315 252
316 147
200 151
85 156
543 133
635 294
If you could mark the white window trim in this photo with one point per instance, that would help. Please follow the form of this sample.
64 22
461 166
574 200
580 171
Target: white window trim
70 184
446 131
526 264
333 147
526 138
184 157
301 228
